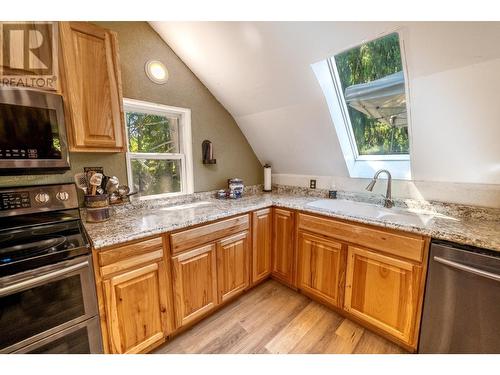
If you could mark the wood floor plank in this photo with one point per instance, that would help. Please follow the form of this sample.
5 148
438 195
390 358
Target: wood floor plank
272 318
345 339
371 343
317 339
193 340
223 343
293 332
272 322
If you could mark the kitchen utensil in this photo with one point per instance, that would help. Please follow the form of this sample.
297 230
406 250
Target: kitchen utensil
112 185
114 198
104 182
81 182
95 181
123 190
89 175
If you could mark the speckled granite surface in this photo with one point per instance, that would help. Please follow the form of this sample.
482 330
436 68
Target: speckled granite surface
462 224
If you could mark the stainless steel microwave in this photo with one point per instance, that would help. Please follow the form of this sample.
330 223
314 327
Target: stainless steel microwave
32 132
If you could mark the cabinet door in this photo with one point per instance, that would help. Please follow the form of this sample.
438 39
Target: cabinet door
136 308
195 283
383 291
283 245
91 87
261 244
321 268
232 266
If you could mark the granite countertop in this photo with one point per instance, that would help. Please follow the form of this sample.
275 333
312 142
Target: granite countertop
135 221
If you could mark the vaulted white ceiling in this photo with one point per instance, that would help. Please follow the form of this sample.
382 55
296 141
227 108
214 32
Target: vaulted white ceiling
260 71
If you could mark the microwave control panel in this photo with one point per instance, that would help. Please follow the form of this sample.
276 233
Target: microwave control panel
19 153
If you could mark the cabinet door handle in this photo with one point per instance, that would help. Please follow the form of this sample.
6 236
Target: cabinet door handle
463 267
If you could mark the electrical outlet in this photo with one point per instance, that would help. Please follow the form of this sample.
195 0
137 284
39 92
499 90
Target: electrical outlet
312 184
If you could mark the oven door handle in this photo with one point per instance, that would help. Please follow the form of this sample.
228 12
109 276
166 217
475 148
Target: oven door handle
25 284
463 267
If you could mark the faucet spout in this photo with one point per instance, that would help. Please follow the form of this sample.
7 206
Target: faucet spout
388 195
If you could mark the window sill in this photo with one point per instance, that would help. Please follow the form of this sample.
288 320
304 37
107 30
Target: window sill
159 196
400 169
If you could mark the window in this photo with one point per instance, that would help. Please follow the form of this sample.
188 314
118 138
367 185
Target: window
159 160
366 91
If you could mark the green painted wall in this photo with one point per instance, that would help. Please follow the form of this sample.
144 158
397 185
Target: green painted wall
138 43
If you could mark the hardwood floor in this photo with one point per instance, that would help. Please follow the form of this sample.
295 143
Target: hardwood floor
272 318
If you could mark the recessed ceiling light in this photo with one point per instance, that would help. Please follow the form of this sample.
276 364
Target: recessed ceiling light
156 71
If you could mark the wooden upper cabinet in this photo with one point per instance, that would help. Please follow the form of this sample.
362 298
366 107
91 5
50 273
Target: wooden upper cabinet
261 244
136 308
91 88
321 268
232 266
384 292
195 283
283 245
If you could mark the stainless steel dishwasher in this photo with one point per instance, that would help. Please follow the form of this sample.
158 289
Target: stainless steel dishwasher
462 301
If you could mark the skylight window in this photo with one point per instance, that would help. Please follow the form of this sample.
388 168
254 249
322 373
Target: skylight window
366 92
373 89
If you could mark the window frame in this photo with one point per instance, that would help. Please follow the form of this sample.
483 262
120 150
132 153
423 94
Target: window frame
185 144
362 166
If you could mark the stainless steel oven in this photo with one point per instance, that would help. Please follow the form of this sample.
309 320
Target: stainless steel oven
48 301
32 132
55 299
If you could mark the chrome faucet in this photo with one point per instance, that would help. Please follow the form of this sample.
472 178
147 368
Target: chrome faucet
388 195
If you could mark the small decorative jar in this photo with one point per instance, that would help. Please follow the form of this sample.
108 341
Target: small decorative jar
236 187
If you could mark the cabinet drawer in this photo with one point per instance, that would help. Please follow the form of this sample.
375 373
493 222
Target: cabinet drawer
406 245
128 250
191 238
131 255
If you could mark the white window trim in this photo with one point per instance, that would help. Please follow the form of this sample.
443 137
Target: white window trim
361 166
185 144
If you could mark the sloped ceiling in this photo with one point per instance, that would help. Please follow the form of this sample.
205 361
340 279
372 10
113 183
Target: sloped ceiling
260 71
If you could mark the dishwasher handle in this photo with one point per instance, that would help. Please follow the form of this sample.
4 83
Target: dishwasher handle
463 267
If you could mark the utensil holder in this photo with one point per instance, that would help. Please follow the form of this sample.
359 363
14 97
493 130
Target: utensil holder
96 201
98 215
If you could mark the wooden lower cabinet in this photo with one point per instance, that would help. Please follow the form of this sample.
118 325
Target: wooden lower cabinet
136 308
378 284
383 291
321 268
232 266
283 256
195 283
261 244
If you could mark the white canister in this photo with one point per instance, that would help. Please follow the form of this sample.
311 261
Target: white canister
267 178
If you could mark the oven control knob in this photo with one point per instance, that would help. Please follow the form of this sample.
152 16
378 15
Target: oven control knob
42 197
62 196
